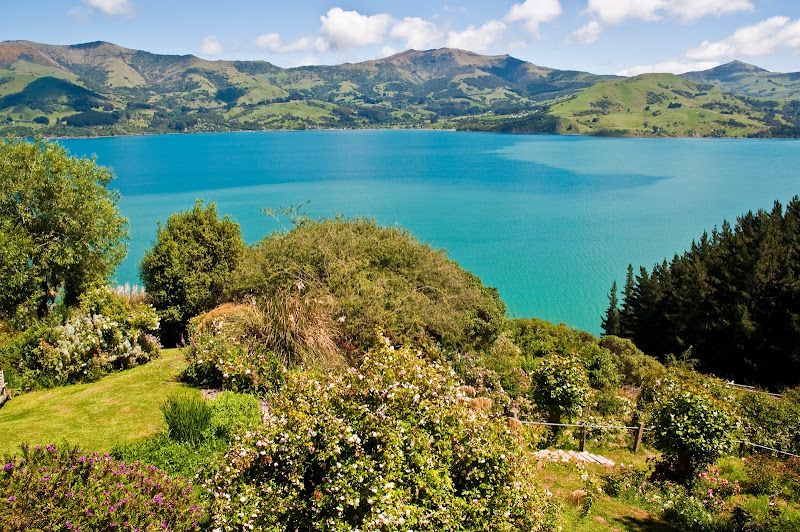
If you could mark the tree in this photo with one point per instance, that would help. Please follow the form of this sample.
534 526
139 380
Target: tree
60 227
610 323
187 269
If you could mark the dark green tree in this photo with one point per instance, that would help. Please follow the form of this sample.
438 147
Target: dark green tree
610 322
733 298
187 269
60 227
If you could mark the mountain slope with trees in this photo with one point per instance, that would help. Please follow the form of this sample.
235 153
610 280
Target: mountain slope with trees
100 88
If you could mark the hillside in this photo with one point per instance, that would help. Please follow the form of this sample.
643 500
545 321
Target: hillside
140 91
750 80
100 88
658 105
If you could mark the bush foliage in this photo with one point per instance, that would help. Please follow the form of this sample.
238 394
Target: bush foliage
374 277
388 446
102 334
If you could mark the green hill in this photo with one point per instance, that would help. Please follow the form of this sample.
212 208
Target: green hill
157 93
750 80
658 105
100 88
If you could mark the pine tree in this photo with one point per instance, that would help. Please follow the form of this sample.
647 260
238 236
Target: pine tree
610 323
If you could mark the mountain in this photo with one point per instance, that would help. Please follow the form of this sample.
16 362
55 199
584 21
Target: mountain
150 92
750 80
100 88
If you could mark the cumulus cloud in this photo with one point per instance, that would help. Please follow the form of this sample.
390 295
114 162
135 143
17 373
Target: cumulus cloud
763 38
274 43
417 33
532 13
111 7
211 46
588 33
673 67
476 39
607 13
343 30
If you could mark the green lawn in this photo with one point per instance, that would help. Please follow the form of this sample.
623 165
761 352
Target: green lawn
120 408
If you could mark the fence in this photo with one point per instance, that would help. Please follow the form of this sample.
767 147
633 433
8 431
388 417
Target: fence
640 428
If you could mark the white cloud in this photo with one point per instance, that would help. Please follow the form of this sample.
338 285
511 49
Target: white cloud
349 29
613 12
417 33
607 13
476 39
386 51
274 43
517 44
112 7
454 9
270 41
589 33
763 38
211 46
691 10
532 13
673 67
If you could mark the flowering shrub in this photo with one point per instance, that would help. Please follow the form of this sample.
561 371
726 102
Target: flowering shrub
218 362
391 445
54 488
102 334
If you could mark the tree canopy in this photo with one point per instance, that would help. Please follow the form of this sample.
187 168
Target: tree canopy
733 300
187 269
60 226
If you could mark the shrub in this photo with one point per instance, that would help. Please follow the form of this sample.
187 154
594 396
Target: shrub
187 417
560 386
375 277
102 334
770 421
387 446
767 475
60 488
692 429
186 270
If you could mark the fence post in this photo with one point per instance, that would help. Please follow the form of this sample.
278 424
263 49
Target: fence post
639 433
741 449
582 445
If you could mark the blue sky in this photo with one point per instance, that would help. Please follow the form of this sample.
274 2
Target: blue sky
600 36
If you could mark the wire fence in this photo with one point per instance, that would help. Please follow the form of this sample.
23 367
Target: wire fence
640 430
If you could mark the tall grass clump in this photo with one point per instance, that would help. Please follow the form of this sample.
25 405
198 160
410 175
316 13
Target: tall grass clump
187 417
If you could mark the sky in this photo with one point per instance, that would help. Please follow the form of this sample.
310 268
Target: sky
625 37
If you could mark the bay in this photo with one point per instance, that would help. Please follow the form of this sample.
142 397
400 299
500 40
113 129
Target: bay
550 221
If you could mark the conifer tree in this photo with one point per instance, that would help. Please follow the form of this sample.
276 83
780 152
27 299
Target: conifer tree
611 321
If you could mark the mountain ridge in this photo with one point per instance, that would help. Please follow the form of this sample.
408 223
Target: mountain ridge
139 91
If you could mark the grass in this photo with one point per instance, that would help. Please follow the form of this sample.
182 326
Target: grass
607 514
119 408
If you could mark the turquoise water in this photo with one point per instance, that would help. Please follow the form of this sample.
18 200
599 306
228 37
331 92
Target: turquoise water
550 221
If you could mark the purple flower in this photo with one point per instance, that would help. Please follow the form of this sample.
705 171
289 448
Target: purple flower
8 467
12 498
